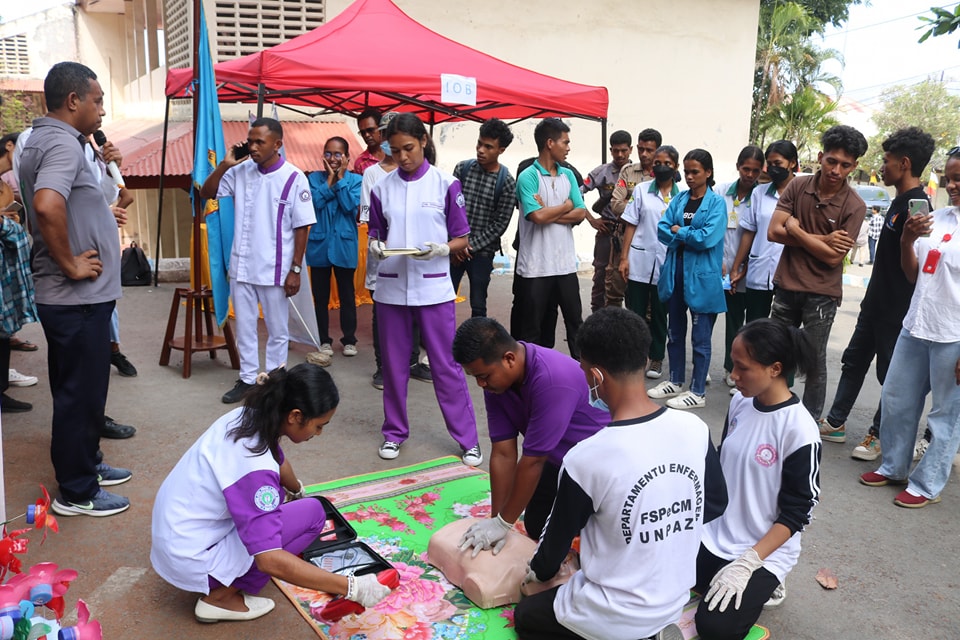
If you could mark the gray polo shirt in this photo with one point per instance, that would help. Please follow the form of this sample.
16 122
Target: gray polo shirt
53 159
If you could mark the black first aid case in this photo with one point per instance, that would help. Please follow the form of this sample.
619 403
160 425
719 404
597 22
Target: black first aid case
337 549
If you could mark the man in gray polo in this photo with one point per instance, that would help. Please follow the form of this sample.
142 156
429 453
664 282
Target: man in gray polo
76 271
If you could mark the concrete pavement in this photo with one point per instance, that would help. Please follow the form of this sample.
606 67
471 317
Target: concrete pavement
897 568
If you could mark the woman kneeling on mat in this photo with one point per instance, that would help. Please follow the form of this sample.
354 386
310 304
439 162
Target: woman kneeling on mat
770 455
220 524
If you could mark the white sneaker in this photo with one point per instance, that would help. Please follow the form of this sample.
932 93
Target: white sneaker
18 379
473 456
349 350
733 391
326 348
777 597
687 400
708 379
665 390
728 380
389 450
920 449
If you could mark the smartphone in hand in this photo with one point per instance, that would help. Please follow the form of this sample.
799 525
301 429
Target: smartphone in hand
919 207
13 207
241 151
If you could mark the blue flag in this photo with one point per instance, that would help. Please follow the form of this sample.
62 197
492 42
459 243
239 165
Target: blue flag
208 152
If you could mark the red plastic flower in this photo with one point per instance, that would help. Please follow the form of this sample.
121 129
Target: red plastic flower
10 545
42 518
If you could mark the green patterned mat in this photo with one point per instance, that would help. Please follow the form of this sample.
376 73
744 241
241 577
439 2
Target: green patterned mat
396 512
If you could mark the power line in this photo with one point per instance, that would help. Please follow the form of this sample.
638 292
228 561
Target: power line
921 76
882 22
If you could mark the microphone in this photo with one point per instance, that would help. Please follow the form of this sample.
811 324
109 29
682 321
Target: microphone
101 139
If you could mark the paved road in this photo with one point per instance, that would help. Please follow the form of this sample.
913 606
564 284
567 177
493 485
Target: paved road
897 568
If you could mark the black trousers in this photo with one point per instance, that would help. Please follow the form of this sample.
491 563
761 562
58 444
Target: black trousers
732 624
541 502
535 301
78 357
534 618
320 284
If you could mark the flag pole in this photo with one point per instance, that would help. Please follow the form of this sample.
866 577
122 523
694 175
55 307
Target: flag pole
199 311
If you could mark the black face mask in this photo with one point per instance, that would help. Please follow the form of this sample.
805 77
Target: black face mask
663 173
777 174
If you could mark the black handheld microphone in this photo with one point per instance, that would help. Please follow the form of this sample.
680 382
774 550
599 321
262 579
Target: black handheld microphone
101 139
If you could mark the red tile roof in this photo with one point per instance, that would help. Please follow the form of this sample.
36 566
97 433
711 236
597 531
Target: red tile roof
141 143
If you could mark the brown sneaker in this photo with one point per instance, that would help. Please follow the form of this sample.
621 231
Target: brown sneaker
869 449
655 370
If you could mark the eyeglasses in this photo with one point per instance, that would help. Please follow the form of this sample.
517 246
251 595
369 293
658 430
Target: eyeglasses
332 154
370 130
954 151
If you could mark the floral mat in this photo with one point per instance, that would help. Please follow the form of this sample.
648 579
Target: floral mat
395 512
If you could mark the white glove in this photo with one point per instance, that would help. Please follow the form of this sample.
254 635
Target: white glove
294 495
489 533
432 251
377 247
366 590
732 581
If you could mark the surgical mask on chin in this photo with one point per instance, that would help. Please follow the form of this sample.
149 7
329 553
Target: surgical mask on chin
385 147
595 400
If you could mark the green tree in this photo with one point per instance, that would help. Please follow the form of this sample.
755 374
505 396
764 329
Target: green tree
942 22
789 76
17 111
928 105
824 12
801 118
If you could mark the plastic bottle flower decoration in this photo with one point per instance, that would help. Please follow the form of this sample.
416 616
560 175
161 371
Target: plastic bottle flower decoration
85 629
10 546
38 514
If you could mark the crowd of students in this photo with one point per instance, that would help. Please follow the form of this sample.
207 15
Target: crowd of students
579 447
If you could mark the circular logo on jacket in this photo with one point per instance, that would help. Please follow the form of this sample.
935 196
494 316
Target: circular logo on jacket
267 498
305 196
460 201
766 455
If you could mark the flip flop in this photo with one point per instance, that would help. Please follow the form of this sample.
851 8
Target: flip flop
22 345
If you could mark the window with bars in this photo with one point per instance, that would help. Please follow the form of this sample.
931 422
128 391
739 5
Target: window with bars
13 55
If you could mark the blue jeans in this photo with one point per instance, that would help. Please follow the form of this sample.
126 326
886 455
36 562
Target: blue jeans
700 336
815 313
919 366
478 270
872 244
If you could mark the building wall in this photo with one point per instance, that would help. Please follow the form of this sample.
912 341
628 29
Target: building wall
51 37
691 79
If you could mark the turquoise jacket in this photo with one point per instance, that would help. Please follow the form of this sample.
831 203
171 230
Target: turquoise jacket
702 243
333 239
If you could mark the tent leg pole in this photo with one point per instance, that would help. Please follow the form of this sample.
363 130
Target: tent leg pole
260 92
163 170
603 140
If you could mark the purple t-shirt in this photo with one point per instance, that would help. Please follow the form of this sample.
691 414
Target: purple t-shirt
551 409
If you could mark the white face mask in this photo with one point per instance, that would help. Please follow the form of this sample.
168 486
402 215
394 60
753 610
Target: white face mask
595 400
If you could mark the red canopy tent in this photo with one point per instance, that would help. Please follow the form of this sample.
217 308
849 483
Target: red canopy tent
373 54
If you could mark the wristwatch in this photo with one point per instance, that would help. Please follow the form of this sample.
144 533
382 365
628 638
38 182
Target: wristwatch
295 268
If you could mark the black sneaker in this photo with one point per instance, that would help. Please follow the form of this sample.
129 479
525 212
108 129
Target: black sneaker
236 394
124 366
421 372
9 405
377 380
102 504
116 431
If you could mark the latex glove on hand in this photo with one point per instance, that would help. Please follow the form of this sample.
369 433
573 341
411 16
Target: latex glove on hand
530 582
489 533
732 581
294 495
366 590
377 248
432 251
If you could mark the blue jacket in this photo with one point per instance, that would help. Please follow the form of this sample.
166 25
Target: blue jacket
333 239
702 243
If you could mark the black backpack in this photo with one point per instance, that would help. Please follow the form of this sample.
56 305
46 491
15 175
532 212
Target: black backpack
134 267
